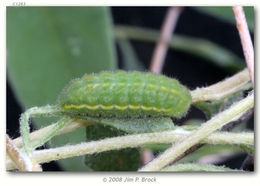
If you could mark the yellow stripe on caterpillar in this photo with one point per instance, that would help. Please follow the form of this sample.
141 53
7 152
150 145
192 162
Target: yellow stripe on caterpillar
134 107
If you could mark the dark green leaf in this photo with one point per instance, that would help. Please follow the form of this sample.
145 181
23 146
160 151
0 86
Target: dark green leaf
128 159
49 46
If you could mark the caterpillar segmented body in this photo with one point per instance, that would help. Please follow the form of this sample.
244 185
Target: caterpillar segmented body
125 94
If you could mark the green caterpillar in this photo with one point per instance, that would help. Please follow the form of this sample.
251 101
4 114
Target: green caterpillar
118 99
125 95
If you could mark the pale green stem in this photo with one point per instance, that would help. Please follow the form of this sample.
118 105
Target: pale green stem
221 89
232 113
52 132
25 129
134 141
38 134
191 167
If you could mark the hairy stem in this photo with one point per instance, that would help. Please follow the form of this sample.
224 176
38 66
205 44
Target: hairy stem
17 156
232 113
37 135
134 141
221 89
25 129
52 132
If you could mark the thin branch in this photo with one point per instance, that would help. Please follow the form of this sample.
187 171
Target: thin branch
20 160
186 153
234 112
245 39
134 141
221 89
165 36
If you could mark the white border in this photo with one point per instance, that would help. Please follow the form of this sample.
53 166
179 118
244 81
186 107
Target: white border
91 178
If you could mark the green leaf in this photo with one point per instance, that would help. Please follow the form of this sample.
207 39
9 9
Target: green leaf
137 125
226 14
128 159
192 167
49 46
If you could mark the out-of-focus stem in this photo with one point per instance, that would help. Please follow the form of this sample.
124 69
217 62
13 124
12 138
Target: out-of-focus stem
245 39
212 52
165 36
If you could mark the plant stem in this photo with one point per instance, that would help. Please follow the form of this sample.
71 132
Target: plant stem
226 127
17 156
217 88
246 41
49 134
232 113
134 141
160 50
221 89
37 135
25 129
